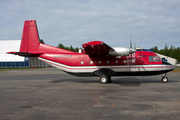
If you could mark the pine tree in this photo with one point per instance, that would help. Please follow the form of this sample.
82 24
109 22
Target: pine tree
172 52
61 46
69 48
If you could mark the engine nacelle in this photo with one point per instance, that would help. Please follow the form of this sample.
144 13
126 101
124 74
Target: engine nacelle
122 51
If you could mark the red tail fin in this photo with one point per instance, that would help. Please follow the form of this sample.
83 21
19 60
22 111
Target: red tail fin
30 45
30 38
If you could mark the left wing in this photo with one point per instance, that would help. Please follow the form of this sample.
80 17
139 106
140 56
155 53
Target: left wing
96 48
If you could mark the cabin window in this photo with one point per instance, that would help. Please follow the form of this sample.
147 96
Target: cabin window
133 60
153 59
116 61
91 62
142 56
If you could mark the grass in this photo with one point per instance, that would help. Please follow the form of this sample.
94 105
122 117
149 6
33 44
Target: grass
175 70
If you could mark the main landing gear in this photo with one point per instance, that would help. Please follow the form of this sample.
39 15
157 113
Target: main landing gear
105 79
164 79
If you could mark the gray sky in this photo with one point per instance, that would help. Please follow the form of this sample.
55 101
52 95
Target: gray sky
74 22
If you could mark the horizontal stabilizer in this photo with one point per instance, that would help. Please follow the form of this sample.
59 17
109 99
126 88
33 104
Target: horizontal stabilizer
25 54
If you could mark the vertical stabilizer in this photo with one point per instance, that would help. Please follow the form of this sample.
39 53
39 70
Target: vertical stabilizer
30 45
30 38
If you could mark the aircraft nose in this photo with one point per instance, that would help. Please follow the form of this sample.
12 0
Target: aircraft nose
165 62
168 65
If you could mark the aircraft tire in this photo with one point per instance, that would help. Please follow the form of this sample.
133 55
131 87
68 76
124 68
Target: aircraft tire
103 79
164 79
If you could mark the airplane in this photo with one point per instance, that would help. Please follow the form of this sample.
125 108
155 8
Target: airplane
96 60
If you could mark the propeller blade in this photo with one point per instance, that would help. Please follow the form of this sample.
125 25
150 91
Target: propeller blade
130 41
131 50
134 45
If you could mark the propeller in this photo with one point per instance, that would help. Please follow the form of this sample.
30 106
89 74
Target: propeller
131 50
134 45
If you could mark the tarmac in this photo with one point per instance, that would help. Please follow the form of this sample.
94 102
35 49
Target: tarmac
50 94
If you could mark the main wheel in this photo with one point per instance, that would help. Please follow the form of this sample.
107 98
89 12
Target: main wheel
103 79
165 79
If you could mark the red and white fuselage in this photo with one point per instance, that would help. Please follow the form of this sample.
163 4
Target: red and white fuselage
80 64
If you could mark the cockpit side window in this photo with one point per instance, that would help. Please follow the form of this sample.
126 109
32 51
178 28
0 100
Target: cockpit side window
153 59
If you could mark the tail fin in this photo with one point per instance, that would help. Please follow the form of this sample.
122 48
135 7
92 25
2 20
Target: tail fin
30 38
30 45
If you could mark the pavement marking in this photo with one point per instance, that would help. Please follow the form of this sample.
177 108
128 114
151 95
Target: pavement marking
113 105
96 104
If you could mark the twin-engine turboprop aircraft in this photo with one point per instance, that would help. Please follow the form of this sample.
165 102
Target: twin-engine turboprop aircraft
97 59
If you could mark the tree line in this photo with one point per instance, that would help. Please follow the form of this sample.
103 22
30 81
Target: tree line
76 49
171 52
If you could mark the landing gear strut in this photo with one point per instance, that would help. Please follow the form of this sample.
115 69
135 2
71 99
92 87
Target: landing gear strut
164 79
105 79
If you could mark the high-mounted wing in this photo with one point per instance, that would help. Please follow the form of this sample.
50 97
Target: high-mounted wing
100 48
96 48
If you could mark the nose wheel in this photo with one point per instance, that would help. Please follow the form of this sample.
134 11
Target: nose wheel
164 79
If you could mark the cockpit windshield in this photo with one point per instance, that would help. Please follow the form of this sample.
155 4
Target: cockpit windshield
154 58
158 57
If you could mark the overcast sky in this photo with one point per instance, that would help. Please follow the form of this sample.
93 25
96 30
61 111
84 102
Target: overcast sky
74 22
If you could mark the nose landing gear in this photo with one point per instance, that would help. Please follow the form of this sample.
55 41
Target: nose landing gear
164 79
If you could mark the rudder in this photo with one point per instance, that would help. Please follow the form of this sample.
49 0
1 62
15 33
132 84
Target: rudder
30 37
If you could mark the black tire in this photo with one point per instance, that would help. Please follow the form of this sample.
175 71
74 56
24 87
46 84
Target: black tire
103 79
164 79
